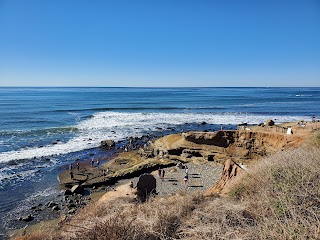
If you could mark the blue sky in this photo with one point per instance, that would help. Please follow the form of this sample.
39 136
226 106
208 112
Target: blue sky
156 43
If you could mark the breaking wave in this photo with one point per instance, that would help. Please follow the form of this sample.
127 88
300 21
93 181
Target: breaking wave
120 125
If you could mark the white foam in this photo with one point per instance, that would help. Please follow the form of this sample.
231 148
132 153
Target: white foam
99 127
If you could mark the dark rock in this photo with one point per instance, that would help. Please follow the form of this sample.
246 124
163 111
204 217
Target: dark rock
51 204
70 206
203 123
77 189
146 185
28 218
210 158
72 211
55 208
67 192
107 144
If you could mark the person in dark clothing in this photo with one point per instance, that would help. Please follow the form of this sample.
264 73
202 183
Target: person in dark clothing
159 172
162 174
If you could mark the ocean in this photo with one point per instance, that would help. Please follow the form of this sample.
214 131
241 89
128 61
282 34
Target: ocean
44 129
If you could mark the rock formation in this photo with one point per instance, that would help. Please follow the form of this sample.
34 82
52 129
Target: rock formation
107 144
230 170
146 185
77 189
269 122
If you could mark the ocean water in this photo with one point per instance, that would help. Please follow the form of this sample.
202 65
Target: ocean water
31 119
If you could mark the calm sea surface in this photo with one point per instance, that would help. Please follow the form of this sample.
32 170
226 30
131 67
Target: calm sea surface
32 119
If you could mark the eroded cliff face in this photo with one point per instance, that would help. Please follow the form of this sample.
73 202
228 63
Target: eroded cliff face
221 145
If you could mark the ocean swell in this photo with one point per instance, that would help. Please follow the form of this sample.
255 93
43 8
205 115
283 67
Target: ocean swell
120 125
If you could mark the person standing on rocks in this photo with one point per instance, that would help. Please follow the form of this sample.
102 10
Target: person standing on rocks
162 174
185 178
159 172
71 175
104 175
92 162
78 166
98 163
70 167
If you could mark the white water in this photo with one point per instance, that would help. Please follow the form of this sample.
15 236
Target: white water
99 127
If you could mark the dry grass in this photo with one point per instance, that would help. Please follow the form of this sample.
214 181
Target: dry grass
283 192
279 199
315 138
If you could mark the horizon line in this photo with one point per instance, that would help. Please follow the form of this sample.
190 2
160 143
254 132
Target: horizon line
157 87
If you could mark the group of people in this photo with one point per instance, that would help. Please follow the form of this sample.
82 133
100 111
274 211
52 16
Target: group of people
71 167
161 173
97 163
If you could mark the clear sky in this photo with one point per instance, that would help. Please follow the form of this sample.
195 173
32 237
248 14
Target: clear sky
156 43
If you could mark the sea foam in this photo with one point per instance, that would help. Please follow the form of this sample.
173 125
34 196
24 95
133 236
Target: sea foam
120 125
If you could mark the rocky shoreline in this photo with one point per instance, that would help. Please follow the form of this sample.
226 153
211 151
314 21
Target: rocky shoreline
204 152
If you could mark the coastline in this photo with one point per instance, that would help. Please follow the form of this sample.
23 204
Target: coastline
122 170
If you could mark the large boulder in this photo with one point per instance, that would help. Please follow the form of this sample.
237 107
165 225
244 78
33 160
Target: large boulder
77 189
107 144
146 185
28 218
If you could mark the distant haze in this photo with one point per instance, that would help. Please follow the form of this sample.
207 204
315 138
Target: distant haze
167 43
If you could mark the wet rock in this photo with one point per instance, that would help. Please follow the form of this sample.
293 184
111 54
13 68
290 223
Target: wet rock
28 218
77 189
55 208
72 211
71 206
107 144
203 123
51 204
67 192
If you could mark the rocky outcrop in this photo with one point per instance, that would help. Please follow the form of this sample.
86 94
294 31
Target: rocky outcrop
77 189
269 122
230 170
107 144
219 138
146 185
